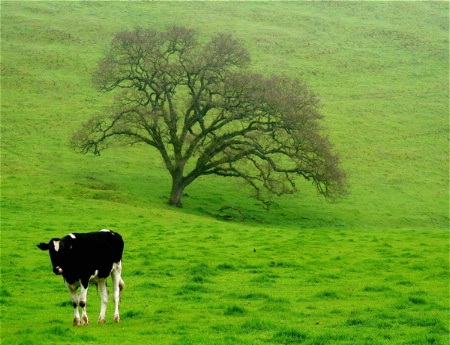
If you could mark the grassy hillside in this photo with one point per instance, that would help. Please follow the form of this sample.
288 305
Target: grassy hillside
370 269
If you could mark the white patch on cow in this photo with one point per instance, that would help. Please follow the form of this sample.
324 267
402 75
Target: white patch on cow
72 235
56 244
105 230
94 278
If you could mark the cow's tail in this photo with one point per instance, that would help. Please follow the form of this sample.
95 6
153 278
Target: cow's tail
121 287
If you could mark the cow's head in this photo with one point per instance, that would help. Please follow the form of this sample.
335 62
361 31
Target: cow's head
57 254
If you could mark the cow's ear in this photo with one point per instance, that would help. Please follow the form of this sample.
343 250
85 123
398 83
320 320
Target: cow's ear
43 246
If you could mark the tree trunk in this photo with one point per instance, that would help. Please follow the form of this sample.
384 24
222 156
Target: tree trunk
176 193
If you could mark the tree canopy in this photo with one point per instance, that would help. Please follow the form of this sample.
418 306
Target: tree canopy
202 108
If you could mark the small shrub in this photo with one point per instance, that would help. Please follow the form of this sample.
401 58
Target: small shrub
131 314
254 296
137 273
184 340
234 310
202 270
24 331
376 288
5 293
281 264
256 325
226 267
289 336
425 321
355 321
417 300
58 331
65 304
198 279
84 338
327 295
264 279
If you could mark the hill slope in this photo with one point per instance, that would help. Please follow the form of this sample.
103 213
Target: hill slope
380 70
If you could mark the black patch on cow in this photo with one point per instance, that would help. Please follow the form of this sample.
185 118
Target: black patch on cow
81 255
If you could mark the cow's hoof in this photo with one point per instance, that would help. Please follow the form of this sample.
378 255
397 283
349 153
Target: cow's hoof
116 318
76 322
84 321
101 320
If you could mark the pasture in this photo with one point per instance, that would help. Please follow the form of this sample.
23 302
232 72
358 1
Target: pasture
372 269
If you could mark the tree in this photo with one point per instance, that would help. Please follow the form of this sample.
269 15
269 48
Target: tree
206 113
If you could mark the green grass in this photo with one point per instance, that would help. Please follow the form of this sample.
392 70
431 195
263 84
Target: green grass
373 269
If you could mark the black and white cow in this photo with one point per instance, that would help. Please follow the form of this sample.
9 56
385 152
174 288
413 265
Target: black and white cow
88 257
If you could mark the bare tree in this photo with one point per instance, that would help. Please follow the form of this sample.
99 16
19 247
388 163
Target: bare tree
205 113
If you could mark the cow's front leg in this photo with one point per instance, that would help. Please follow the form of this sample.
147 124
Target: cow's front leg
83 301
104 298
75 301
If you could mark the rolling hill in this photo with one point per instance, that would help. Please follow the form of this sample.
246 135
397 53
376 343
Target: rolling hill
381 71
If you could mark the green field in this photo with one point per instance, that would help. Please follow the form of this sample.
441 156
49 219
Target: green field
371 269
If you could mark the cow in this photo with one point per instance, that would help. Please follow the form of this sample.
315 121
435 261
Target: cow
82 258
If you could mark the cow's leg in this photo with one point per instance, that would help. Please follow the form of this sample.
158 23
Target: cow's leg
83 301
104 298
116 275
75 301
